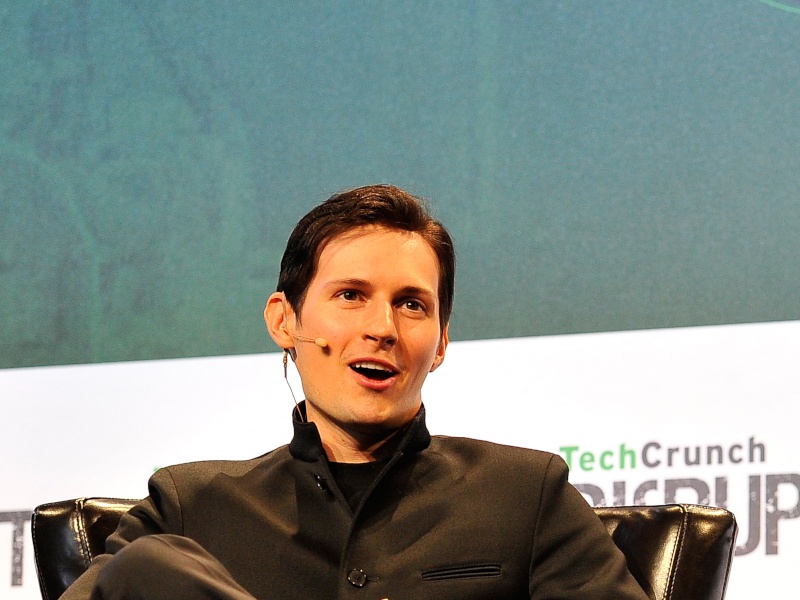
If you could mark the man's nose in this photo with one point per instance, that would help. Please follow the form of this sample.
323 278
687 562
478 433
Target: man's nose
381 324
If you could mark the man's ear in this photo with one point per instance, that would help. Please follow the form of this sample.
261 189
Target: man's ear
276 316
440 351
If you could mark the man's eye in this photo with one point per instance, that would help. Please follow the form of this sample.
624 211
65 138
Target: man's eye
414 305
349 295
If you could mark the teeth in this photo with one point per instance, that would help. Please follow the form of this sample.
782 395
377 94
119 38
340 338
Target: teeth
371 365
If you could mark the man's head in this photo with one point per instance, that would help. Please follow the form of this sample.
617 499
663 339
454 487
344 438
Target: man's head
381 205
372 274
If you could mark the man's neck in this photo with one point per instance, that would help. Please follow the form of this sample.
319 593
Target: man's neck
353 444
356 447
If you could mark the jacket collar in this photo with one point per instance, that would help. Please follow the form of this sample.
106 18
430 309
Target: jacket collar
306 444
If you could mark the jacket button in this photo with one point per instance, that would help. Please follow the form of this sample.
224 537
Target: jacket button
321 483
357 577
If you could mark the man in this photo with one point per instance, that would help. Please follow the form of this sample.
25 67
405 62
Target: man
364 503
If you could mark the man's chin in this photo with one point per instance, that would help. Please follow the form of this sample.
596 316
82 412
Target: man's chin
379 423
367 418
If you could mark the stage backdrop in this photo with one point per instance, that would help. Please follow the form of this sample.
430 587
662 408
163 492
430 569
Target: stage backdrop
702 415
620 179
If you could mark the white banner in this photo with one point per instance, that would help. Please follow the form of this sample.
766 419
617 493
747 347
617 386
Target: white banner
703 415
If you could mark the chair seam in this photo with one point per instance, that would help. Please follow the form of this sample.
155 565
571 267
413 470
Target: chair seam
676 556
86 552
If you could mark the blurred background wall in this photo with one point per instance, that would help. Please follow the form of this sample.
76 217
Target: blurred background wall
602 166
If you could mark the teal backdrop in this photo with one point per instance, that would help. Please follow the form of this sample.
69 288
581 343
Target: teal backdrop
601 165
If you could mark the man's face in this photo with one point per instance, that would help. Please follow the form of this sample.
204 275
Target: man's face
375 299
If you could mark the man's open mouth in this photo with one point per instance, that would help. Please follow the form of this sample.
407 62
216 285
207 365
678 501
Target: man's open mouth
372 370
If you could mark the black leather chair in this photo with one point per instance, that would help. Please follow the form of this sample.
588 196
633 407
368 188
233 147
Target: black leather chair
676 552
67 535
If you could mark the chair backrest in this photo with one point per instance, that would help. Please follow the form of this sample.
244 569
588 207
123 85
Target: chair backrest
67 535
676 552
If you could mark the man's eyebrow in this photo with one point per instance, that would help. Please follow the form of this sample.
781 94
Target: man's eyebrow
347 281
414 290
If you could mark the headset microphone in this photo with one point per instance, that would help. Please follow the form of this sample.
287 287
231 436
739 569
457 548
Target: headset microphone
320 341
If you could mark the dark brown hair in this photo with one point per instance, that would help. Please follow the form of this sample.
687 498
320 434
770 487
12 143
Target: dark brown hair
383 205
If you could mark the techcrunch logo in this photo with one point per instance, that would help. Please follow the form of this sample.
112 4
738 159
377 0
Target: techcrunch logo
653 455
764 512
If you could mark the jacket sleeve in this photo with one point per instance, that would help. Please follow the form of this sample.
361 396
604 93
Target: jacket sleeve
573 556
158 513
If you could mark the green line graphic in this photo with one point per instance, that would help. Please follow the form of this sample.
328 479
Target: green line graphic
781 6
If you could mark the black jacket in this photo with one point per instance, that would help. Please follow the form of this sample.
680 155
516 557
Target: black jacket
447 518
